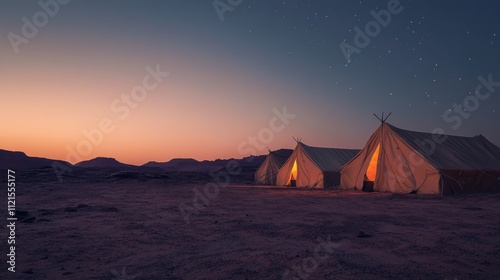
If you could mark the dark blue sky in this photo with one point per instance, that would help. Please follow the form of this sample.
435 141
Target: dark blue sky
272 54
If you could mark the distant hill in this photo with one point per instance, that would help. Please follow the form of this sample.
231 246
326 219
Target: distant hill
283 152
192 165
104 162
19 160
176 164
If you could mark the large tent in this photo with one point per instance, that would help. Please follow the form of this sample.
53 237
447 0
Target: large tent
267 172
402 161
314 167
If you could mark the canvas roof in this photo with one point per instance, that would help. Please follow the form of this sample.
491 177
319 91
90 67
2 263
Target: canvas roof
329 159
456 152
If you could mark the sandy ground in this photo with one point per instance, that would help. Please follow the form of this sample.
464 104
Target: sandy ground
133 229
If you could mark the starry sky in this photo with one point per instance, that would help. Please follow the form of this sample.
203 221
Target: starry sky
231 65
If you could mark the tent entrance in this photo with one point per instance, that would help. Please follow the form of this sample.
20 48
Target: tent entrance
293 174
371 172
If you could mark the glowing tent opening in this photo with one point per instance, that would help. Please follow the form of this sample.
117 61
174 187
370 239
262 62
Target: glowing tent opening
371 172
293 173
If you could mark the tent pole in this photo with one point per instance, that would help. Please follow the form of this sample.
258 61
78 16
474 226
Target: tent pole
388 116
377 117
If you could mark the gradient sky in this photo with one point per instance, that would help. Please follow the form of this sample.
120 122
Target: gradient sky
227 76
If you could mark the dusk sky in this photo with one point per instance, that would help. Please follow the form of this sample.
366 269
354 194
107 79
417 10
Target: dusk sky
227 76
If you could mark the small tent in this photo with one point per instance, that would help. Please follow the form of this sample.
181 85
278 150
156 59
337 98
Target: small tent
314 167
266 173
402 161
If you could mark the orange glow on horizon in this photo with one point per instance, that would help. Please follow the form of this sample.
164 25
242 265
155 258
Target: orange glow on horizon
56 101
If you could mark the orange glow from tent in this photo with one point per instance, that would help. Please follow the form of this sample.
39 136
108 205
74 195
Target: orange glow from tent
371 172
293 174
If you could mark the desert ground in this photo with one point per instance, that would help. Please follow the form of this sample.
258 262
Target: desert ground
129 226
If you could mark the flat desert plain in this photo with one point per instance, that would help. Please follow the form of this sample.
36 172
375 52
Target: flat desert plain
132 228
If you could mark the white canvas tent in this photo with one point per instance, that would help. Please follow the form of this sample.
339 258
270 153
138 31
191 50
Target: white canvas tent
268 170
314 167
403 161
